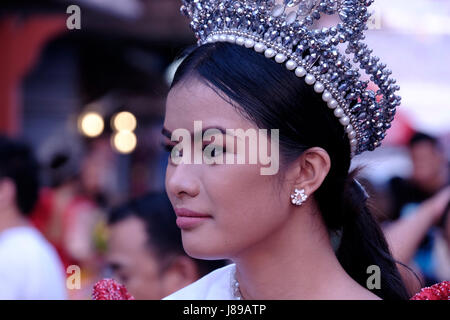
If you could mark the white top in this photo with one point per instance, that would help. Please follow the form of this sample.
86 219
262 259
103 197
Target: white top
216 285
29 266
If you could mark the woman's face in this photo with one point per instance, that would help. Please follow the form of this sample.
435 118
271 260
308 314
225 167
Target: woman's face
244 206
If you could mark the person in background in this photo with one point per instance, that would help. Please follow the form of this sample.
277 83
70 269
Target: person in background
430 173
145 251
405 235
70 219
29 266
65 215
419 209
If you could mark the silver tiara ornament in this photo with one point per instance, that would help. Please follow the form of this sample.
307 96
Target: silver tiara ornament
284 30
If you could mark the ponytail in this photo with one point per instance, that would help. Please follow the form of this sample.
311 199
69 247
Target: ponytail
363 244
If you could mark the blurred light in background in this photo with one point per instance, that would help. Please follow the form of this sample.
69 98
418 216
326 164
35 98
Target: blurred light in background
124 141
124 121
91 124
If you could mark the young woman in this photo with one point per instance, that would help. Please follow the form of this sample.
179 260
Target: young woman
280 250
303 233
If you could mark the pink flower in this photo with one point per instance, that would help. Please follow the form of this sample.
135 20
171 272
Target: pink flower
438 291
109 289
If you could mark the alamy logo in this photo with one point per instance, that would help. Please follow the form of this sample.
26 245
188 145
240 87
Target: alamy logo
374 281
235 139
74 279
74 20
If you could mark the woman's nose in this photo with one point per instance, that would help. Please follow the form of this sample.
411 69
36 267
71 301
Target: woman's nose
181 180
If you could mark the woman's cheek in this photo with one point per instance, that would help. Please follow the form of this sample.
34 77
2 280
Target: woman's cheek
240 194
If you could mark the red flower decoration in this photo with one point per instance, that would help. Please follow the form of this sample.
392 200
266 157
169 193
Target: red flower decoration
438 291
109 289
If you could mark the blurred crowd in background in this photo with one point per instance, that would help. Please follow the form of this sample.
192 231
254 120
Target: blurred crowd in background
82 170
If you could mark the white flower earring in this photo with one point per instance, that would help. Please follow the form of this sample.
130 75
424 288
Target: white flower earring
298 197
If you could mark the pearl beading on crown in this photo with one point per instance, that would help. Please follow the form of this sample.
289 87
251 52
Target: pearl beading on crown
283 30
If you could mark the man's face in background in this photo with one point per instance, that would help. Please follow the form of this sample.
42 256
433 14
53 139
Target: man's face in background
428 164
132 261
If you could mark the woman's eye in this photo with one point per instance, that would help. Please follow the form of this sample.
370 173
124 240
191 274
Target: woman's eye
213 151
166 147
176 152
210 151
172 150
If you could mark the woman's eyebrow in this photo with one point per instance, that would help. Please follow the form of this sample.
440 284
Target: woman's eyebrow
168 133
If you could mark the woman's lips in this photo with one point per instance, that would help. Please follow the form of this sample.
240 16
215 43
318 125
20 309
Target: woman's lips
188 219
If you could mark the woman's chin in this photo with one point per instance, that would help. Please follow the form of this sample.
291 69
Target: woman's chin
201 248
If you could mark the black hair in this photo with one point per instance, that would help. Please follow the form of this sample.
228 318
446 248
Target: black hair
418 137
273 97
164 237
18 163
62 168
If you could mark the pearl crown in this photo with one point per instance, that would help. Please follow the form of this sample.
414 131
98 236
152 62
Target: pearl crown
283 30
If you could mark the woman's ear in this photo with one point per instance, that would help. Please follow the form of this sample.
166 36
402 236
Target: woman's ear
310 169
